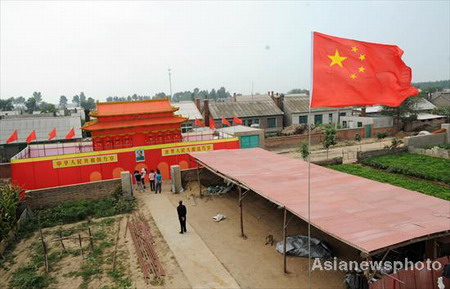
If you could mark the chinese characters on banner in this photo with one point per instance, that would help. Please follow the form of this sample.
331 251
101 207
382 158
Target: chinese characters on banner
188 149
92 160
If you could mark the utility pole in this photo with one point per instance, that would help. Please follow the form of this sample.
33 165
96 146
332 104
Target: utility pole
170 82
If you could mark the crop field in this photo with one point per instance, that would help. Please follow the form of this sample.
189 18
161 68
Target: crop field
422 186
415 165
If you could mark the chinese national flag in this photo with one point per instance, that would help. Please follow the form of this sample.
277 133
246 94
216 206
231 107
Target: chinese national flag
348 73
199 123
211 123
13 137
71 134
237 120
52 134
31 137
225 122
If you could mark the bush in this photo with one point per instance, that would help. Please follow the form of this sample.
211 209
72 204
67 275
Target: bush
381 135
415 165
9 202
304 150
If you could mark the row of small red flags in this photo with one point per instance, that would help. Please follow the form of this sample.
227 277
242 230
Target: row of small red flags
32 136
236 120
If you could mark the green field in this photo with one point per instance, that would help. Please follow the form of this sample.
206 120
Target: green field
415 165
395 179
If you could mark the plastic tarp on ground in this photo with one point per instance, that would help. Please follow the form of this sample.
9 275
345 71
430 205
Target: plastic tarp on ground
365 214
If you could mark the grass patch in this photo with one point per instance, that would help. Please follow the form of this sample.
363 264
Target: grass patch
394 179
415 165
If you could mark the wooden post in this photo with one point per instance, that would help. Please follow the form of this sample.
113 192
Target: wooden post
61 239
44 247
284 241
81 246
126 227
115 247
90 239
198 180
240 209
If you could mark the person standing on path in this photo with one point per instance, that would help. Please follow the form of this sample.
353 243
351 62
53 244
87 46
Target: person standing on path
137 177
158 178
143 173
151 177
181 209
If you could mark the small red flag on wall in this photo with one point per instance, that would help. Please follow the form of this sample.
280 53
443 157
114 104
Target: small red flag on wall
348 72
237 120
13 137
52 134
71 134
212 125
31 137
225 122
199 123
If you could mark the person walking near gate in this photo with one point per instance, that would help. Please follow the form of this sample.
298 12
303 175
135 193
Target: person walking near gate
158 178
151 177
181 210
137 177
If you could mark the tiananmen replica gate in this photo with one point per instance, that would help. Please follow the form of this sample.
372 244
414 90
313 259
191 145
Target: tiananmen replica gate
126 136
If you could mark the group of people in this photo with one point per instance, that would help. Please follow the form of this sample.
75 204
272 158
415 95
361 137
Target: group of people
155 180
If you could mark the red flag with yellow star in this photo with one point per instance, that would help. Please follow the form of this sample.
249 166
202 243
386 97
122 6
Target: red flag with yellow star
348 72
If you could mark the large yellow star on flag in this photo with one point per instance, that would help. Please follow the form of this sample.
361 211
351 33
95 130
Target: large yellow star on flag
336 59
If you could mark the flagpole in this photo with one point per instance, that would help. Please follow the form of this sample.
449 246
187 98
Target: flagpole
309 161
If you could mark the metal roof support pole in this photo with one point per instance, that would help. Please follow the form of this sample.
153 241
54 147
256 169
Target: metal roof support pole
198 180
284 241
240 209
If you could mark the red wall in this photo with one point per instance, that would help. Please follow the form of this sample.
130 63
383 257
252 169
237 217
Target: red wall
37 174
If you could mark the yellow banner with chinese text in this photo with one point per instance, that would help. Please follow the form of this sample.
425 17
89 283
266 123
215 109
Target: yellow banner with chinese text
187 149
93 160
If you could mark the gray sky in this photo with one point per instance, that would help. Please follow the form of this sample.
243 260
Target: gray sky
108 48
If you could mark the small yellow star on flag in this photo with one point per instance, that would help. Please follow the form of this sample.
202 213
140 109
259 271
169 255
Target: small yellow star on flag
362 69
354 48
336 59
362 57
353 75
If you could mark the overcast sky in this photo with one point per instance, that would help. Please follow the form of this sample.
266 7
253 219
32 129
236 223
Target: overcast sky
109 48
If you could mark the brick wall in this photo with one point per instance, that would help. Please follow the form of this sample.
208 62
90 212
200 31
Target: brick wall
5 170
318 137
44 198
376 153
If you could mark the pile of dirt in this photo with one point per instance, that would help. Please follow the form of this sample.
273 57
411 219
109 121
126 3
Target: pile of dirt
294 129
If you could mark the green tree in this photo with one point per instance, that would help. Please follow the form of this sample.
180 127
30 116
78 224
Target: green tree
88 104
444 110
76 100
358 139
63 101
330 138
404 113
298 91
304 148
38 97
7 104
31 105
82 97
47 107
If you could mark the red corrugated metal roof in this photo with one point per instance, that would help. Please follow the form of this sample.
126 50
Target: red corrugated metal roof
133 123
133 107
365 214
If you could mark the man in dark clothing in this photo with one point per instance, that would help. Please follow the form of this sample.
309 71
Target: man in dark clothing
181 209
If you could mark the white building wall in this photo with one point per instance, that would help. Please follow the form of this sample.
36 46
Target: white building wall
325 116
